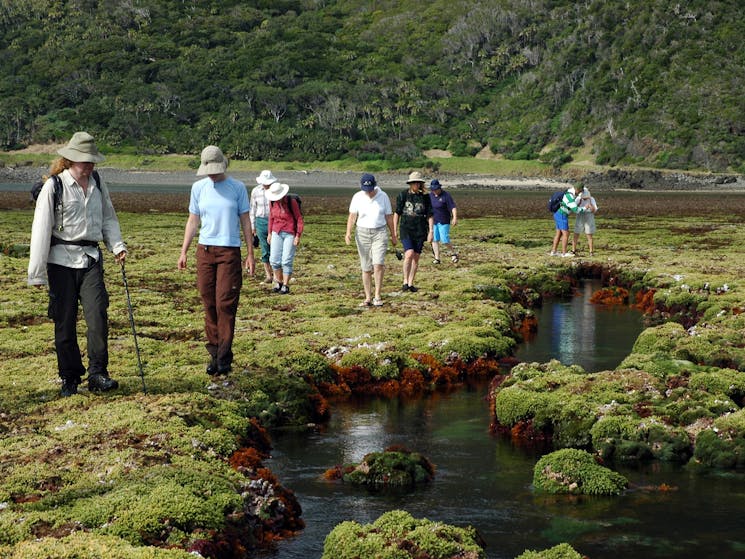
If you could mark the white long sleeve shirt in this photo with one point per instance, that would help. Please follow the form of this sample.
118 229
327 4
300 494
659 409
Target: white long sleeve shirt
86 216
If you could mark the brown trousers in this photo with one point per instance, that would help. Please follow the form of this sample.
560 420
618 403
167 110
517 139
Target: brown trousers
219 280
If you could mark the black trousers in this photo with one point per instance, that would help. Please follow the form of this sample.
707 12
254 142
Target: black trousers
67 286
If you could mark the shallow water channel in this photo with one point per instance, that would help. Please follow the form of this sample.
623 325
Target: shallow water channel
485 482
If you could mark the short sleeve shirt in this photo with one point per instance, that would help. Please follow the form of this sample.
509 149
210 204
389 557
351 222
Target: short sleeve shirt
219 207
415 210
371 212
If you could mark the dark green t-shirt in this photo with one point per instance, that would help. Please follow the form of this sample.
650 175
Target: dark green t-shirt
414 211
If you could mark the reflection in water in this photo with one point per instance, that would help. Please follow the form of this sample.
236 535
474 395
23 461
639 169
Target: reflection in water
485 482
576 331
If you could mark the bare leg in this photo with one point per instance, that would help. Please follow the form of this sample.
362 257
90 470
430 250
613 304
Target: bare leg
413 265
436 250
378 273
564 241
367 285
555 243
575 238
590 244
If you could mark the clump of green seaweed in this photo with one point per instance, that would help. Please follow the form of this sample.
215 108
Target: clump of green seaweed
398 535
576 472
394 467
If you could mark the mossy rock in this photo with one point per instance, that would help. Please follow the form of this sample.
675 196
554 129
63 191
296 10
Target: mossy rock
629 438
391 468
84 545
576 472
722 446
561 551
398 535
659 339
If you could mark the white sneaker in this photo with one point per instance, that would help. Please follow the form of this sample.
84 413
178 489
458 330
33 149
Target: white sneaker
553 253
569 254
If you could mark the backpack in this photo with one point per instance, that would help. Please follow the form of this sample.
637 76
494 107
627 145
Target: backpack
554 203
36 188
298 200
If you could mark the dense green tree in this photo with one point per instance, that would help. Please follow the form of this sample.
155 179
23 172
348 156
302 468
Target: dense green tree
641 82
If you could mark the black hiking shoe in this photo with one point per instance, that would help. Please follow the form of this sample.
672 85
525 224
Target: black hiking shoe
69 387
101 383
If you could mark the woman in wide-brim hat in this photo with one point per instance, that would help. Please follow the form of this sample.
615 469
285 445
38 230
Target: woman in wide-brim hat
219 203
414 222
260 218
285 228
69 223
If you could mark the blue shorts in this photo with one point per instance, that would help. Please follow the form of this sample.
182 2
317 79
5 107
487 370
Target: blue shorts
561 220
441 233
413 244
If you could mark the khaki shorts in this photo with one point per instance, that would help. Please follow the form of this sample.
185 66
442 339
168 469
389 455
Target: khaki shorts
372 245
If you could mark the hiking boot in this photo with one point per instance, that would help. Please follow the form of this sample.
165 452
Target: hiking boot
405 287
212 367
99 382
69 387
413 289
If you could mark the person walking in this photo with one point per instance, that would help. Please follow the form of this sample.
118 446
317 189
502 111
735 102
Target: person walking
65 255
371 210
260 218
414 222
218 210
585 221
285 228
561 220
445 215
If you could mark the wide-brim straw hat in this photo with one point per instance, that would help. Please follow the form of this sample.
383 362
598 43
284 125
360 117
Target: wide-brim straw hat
416 176
266 177
213 161
81 149
277 191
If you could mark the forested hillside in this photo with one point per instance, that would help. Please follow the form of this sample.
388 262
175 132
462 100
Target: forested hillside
656 82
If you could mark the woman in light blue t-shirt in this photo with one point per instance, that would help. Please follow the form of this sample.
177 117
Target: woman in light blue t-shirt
218 210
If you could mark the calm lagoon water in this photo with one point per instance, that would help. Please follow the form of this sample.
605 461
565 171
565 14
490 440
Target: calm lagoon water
485 482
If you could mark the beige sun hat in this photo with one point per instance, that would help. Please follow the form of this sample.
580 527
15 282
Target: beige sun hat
277 191
81 149
213 161
415 176
266 177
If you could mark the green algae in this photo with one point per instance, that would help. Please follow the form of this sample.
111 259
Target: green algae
561 551
680 381
390 468
576 472
398 535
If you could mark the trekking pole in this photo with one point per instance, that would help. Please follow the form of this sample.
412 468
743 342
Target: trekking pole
134 332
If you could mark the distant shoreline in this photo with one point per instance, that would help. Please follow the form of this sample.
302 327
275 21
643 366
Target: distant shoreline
613 179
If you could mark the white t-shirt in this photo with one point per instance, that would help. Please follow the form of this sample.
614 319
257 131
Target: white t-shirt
371 212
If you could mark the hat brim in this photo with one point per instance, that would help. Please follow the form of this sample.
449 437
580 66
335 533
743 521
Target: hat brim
266 180
77 156
274 196
212 168
415 180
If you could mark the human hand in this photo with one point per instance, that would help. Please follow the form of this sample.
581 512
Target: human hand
121 257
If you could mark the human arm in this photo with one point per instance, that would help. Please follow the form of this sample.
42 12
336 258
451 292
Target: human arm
190 231
390 222
41 235
431 224
250 263
454 217
112 234
350 223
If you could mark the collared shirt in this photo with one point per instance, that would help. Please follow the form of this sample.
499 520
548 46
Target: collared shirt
259 204
282 217
371 212
83 216
219 206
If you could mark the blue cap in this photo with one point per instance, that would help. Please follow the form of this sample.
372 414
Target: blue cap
435 185
367 182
